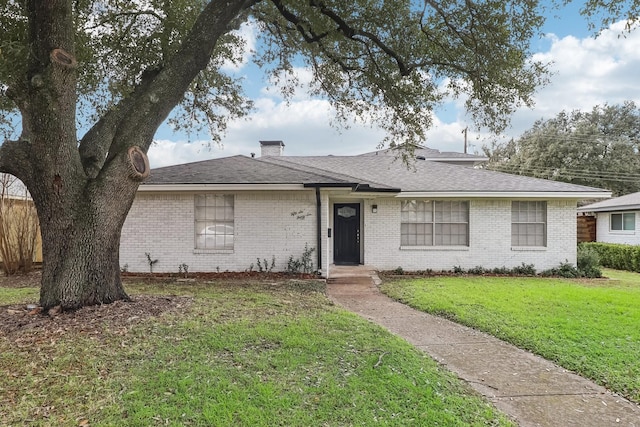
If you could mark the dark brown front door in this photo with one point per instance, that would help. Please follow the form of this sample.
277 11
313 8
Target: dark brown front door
346 233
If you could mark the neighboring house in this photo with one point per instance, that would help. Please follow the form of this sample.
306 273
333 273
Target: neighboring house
617 219
224 214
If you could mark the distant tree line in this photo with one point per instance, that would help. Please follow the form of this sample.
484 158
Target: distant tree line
599 148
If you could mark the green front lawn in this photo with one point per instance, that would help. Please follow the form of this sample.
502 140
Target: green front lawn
247 354
591 327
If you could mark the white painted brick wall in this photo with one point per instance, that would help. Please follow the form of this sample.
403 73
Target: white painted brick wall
163 225
489 239
603 234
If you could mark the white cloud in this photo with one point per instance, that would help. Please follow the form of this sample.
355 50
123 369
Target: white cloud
247 33
165 152
587 72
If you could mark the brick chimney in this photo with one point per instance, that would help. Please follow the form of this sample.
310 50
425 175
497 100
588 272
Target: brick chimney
271 148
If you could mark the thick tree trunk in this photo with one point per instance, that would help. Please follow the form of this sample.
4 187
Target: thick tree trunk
81 255
81 221
81 266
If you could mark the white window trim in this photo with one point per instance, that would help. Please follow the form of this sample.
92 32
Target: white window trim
612 231
532 248
434 223
220 250
452 248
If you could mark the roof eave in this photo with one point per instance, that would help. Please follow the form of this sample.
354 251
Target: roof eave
219 187
610 208
506 194
356 187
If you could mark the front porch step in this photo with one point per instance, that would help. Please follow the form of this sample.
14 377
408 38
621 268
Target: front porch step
350 280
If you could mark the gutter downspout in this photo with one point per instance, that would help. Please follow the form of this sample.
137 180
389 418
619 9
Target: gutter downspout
319 226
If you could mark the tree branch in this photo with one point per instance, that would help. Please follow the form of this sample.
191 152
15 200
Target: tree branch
14 159
95 144
135 119
154 100
116 16
352 33
366 38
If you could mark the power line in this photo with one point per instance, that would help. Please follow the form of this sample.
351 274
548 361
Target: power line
568 173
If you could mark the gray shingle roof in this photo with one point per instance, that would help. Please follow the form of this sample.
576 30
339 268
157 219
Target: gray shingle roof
235 170
245 170
382 173
627 202
430 176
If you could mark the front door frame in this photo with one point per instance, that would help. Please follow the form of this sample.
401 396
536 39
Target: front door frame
347 233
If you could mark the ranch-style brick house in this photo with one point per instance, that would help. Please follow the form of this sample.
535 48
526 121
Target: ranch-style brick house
437 213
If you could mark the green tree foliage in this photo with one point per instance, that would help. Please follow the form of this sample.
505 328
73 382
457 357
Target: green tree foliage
602 13
119 68
599 148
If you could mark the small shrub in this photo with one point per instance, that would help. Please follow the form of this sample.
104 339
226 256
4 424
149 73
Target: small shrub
264 266
458 270
293 265
183 269
304 264
524 270
588 262
501 270
477 270
307 262
399 271
565 269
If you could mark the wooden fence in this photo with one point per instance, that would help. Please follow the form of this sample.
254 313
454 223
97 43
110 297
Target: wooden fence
586 229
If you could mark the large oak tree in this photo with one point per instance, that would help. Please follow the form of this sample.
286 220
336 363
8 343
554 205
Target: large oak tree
119 68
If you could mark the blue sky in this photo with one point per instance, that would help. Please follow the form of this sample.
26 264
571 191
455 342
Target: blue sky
588 71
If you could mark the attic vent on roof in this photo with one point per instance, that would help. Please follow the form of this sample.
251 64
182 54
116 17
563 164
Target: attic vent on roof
421 158
271 148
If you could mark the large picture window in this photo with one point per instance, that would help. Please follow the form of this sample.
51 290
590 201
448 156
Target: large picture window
214 228
528 223
434 223
623 221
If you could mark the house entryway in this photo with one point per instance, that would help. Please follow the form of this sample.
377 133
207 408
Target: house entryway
346 233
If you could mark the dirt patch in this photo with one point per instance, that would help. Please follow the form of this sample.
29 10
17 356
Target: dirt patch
222 275
32 279
25 326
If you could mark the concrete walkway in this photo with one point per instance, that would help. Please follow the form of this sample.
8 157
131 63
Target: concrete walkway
530 389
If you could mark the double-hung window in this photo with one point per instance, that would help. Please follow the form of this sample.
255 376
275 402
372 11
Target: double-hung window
214 221
625 221
434 223
528 223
